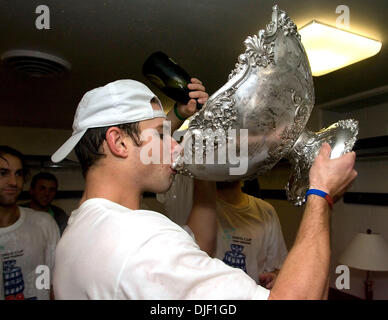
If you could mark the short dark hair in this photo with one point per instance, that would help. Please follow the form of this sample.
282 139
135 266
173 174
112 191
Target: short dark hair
43 176
13 152
88 149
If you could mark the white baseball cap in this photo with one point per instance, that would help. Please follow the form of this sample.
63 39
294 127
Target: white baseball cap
119 102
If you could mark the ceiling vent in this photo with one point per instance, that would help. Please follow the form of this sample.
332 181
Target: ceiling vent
35 63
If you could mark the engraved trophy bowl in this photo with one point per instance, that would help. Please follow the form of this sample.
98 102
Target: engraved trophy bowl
258 117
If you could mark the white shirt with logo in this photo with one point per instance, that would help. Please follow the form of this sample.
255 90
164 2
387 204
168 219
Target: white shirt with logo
27 255
111 252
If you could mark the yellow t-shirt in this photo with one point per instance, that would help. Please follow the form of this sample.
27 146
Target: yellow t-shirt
250 238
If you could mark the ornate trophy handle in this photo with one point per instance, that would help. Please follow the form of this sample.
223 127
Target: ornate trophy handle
341 136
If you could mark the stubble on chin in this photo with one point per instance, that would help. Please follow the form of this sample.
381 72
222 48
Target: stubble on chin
7 201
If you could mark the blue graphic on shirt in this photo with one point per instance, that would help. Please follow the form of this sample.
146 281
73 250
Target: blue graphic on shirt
13 281
235 258
228 233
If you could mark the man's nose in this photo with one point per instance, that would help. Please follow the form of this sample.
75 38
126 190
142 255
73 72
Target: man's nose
12 180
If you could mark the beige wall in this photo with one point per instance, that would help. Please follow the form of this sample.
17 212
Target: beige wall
349 219
33 141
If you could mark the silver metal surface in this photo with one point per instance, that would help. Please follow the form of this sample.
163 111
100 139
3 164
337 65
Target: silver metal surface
341 136
271 94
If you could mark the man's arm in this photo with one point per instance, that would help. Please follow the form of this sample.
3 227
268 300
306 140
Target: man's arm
203 216
197 93
304 274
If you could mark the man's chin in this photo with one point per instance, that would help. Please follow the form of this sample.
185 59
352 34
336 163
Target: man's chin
8 201
166 186
43 205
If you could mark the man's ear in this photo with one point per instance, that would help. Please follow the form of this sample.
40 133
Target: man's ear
117 144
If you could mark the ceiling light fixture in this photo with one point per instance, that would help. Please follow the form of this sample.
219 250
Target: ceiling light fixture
329 48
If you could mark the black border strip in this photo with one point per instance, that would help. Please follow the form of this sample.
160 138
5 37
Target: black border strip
370 198
366 198
73 194
276 194
372 147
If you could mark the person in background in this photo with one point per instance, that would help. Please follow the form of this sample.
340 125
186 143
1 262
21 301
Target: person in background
43 189
246 234
27 237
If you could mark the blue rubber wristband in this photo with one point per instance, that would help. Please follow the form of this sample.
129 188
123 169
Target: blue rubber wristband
322 194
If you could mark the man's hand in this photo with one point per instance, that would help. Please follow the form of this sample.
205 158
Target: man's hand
197 93
334 176
267 279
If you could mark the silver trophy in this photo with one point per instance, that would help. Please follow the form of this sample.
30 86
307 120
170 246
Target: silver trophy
258 117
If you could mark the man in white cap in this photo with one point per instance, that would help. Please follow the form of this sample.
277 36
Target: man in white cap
113 250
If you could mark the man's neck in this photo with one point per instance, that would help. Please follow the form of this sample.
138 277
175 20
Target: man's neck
107 187
9 215
233 196
36 206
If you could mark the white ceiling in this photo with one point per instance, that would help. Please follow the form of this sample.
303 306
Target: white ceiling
108 40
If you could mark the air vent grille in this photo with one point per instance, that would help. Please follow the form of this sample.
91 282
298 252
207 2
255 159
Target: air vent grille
35 63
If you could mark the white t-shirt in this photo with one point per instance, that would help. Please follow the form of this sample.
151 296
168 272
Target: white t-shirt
111 252
250 238
28 243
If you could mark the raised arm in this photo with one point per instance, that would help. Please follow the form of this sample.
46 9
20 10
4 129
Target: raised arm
197 93
304 274
203 216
